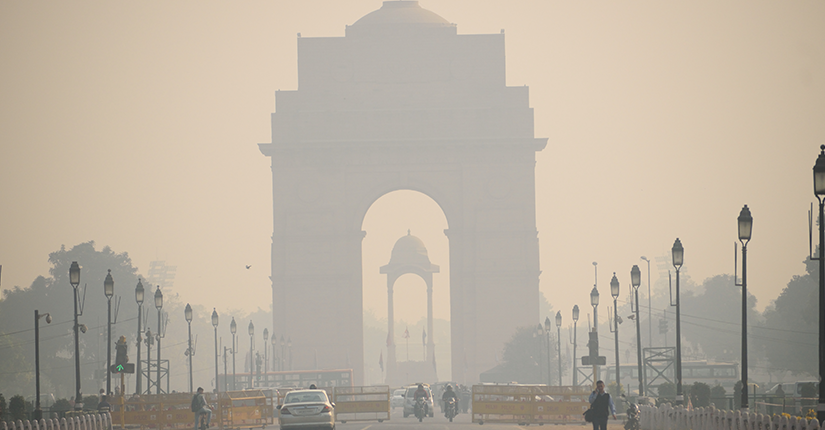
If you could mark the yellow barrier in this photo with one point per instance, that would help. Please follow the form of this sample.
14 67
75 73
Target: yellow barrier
362 403
235 410
529 404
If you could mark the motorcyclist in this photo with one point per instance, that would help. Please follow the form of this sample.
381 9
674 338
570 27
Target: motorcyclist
422 393
449 394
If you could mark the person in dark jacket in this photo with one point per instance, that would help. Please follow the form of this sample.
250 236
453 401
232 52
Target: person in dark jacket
603 406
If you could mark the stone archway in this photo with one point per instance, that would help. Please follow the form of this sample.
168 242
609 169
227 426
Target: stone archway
402 102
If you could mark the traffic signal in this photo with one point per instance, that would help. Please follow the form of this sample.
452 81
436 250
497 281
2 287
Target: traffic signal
593 345
662 326
120 352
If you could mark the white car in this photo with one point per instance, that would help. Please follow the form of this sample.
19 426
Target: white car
306 408
397 400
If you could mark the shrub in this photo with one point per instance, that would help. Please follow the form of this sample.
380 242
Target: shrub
17 408
700 394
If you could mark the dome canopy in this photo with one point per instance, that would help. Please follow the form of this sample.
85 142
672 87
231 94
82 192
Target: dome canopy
410 251
399 14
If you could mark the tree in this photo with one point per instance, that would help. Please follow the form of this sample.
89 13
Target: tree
667 390
17 408
717 395
700 394
525 357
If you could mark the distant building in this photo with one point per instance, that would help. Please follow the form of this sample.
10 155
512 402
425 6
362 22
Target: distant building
161 274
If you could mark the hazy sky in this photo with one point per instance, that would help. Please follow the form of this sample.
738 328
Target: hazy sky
136 124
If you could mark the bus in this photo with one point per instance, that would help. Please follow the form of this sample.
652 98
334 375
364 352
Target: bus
288 379
710 373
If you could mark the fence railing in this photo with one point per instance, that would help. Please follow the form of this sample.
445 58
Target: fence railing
101 421
666 417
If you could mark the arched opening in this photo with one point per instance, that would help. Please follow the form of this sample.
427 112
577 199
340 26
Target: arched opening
390 217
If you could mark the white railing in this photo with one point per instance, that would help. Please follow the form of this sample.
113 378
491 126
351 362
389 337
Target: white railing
666 417
101 421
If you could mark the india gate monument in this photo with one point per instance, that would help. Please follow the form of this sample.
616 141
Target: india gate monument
402 102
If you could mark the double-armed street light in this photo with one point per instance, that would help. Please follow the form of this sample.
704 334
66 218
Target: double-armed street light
614 291
215 326
233 328
678 254
745 227
159 306
74 279
139 291
109 291
189 353
819 191
575 368
635 281
38 413
251 329
558 334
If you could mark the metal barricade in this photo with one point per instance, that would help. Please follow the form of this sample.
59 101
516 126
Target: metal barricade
528 404
362 403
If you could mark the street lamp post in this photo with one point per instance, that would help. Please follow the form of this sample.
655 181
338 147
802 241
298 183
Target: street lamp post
614 291
678 253
38 413
74 279
251 329
149 341
266 357
575 367
283 355
594 301
635 281
558 334
547 331
819 191
234 329
745 224
215 326
188 315
649 307
109 291
139 291
289 348
159 306
274 352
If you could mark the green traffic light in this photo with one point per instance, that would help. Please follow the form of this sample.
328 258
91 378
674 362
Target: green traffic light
119 367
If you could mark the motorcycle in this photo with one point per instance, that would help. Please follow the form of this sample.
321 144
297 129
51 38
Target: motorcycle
633 413
420 408
451 409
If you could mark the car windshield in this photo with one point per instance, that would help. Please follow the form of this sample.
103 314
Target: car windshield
303 397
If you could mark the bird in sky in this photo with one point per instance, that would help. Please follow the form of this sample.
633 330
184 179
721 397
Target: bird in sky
248 266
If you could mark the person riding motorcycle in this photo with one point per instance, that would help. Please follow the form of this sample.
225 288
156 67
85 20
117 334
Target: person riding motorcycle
422 393
449 394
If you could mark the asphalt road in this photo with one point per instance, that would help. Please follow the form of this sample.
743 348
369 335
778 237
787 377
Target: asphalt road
461 422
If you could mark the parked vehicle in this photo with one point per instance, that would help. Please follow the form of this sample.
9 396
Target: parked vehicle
306 408
397 400
633 414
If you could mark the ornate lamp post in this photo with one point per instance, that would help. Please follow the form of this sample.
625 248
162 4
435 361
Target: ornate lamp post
188 315
819 191
109 291
38 413
159 306
251 329
678 259
575 368
215 326
233 328
558 334
266 358
745 224
614 291
649 307
635 281
594 301
74 279
139 291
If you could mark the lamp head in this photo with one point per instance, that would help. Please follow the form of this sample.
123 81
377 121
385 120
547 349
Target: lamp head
745 222
538 331
635 276
594 297
214 318
614 286
251 328
188 313
678 254
575 313
266 334
274 340
109 285
819 173
158 298
547 324
74 274
558 319
233 327
139 292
